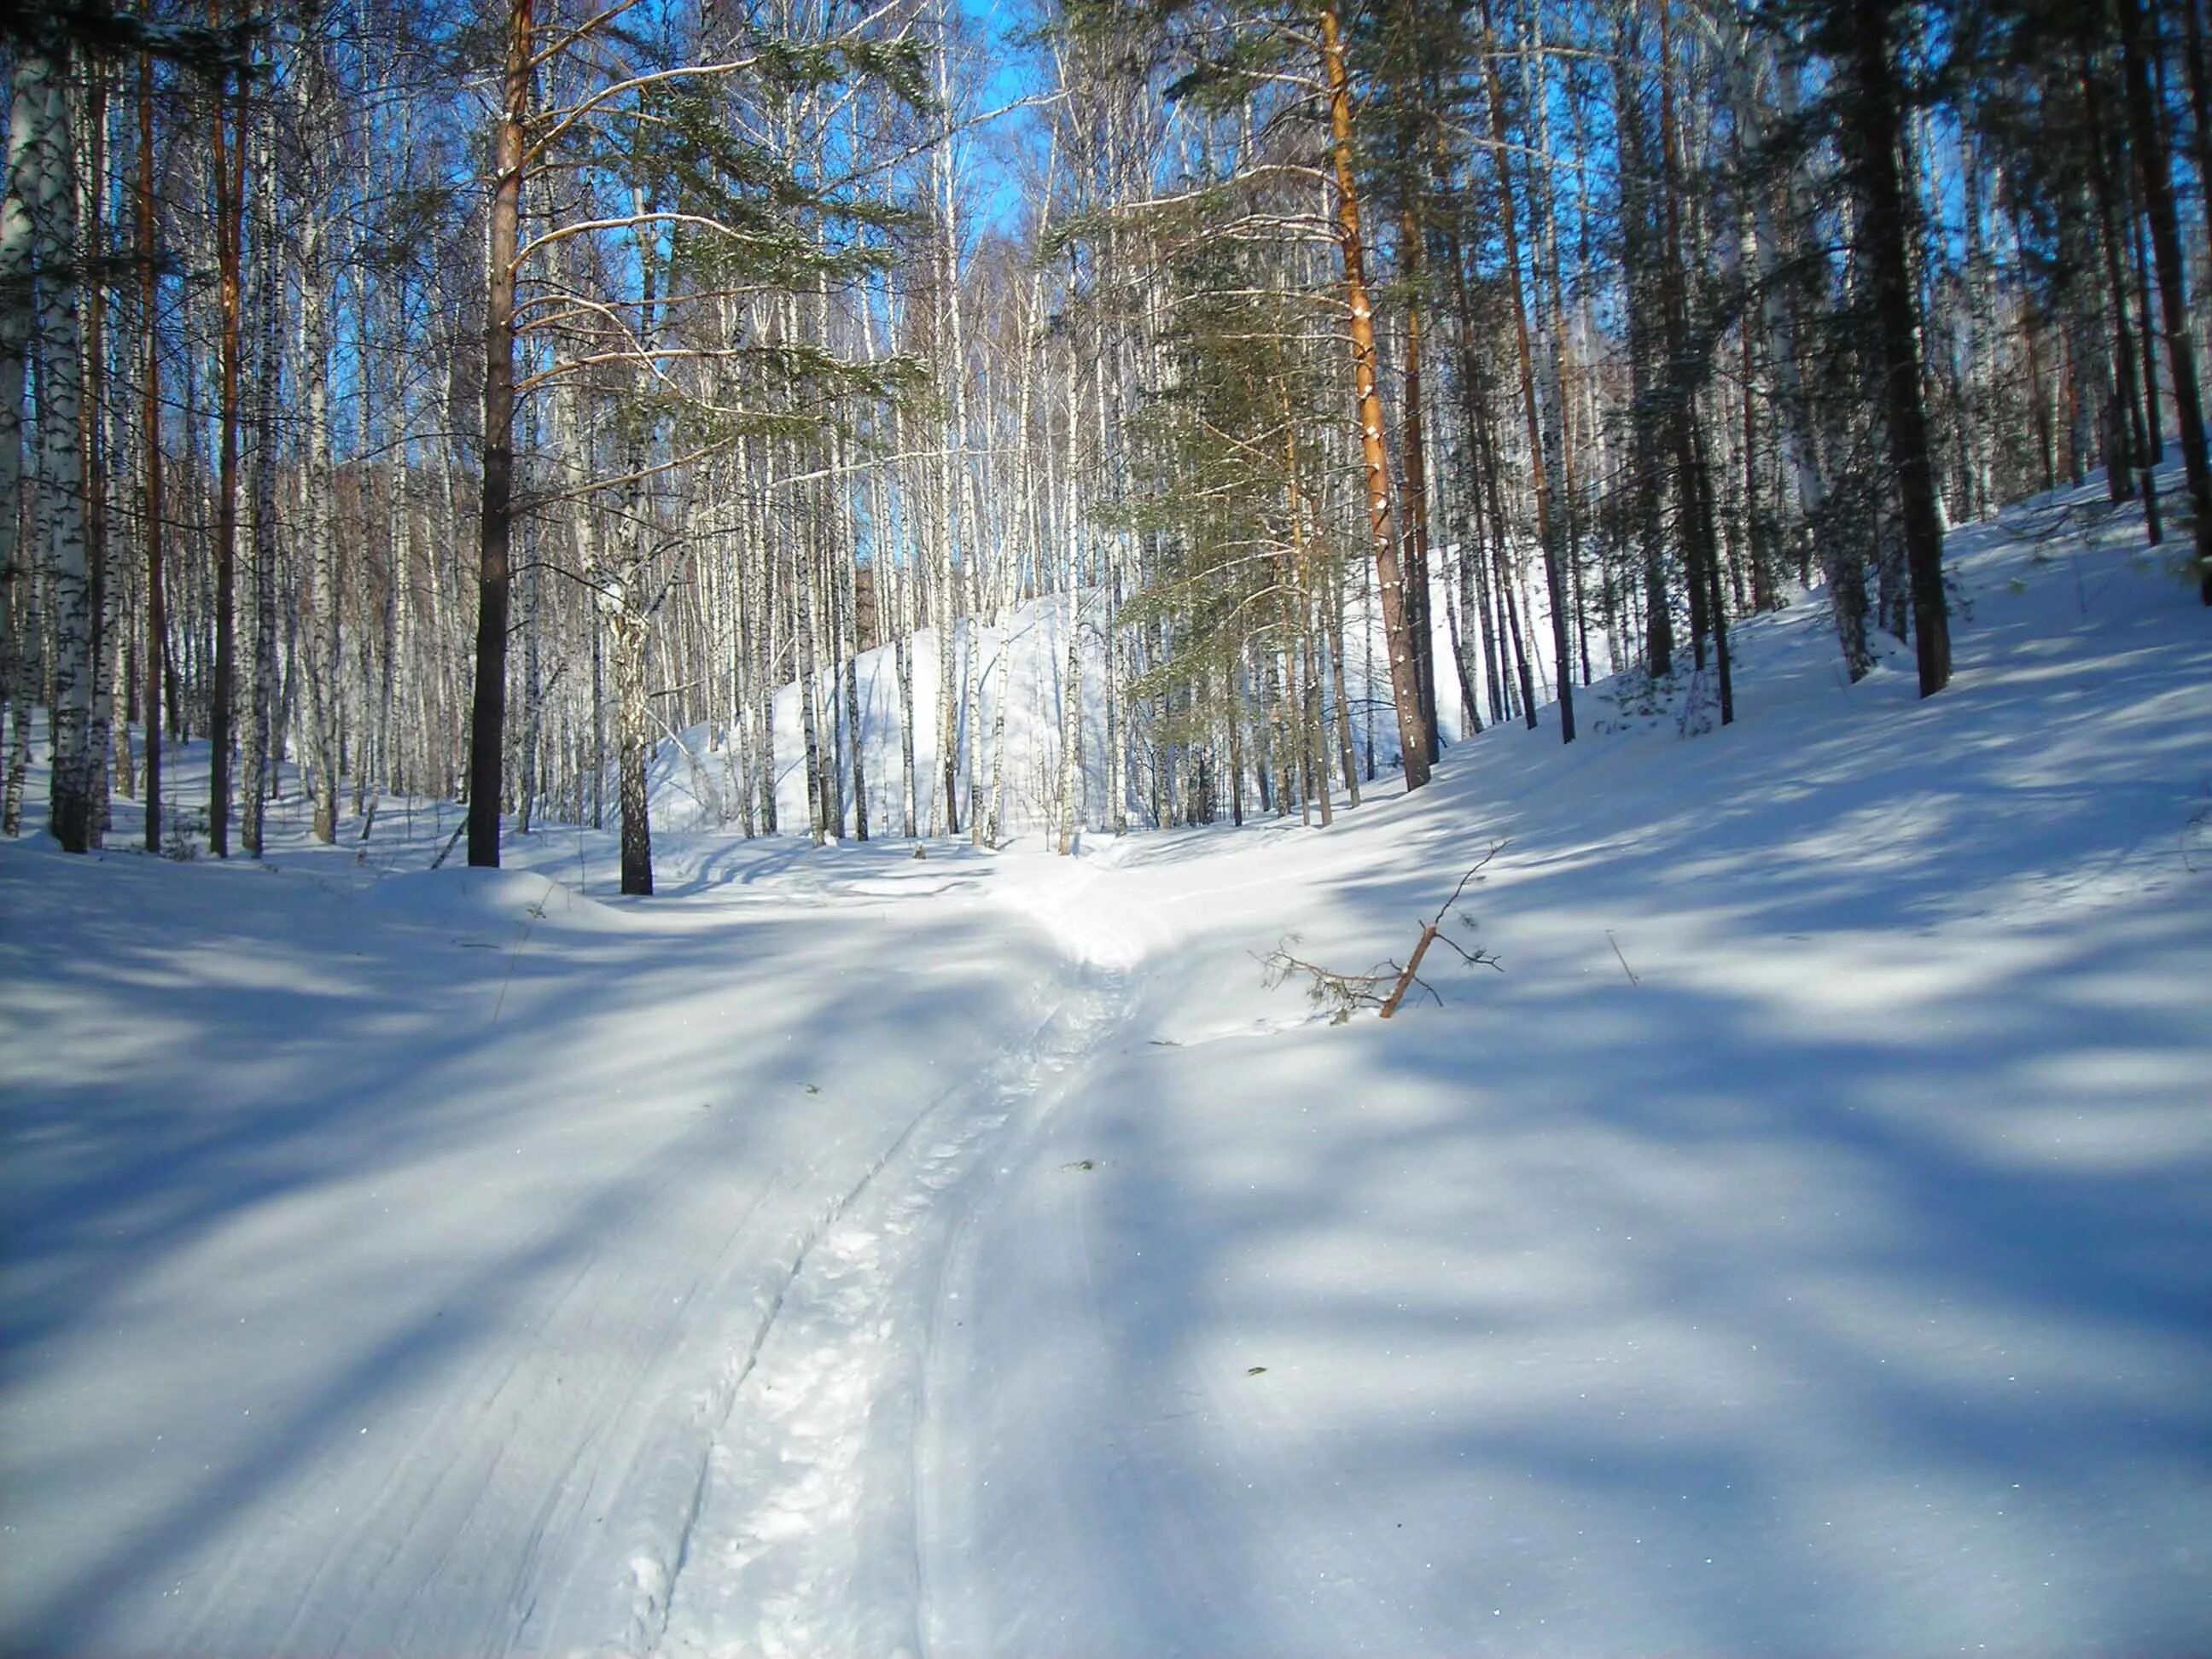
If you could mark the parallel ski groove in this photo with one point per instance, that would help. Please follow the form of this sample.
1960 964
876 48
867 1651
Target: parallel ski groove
970 1114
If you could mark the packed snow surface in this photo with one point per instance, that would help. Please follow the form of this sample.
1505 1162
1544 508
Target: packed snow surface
1804 1245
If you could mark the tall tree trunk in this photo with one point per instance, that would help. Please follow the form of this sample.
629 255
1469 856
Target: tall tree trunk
942 522
256 764
2153 450
901 580
946 797
18 260
1405 676
1312 740
2157 179
1693 480
1639 236
528 785
848 578
50 197
902 654
157 621
323 703
1071 707
2126 442
818 803
1457 600
105 594
230 213
1334 622
633 744
488 721
1872 118
1414 440
632 615
1301 612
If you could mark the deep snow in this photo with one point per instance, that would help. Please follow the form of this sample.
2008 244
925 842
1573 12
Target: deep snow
849 1254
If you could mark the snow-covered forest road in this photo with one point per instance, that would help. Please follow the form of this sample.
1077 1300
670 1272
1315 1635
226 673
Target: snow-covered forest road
386 1273
1803 1246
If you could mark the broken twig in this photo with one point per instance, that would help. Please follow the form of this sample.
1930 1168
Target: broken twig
1345 994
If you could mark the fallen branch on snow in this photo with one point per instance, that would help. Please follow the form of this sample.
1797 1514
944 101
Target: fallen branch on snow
1345 994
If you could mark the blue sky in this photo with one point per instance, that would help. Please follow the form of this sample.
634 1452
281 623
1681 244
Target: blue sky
1015 72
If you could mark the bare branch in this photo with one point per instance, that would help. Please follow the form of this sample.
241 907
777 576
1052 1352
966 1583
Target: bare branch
1345 994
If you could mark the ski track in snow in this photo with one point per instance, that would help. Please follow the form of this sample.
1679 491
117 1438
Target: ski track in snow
800 1537
337 1465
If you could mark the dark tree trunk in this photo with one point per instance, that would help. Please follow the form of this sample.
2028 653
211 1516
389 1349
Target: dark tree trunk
634 751
2166 238
2127 441
1694 481
1419 623
487 722
1871 115
1638 237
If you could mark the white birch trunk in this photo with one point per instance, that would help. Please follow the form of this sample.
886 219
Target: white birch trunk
323 658
802 585
50 194
904 579
848 576
17 259
1071 728
254 736
98 447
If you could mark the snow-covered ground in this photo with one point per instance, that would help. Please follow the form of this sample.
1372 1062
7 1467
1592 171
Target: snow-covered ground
1804 1246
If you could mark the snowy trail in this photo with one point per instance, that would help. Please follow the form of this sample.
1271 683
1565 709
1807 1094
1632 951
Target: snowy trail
803 1540
811 1531
394 1265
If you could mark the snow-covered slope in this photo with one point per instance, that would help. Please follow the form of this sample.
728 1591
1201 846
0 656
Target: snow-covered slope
1803 1246
692 783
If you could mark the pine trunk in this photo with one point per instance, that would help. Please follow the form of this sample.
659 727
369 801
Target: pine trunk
1405 674
1871 116
2166 238
488 719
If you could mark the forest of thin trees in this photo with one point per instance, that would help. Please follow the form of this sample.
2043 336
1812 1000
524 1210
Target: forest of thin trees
473 398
